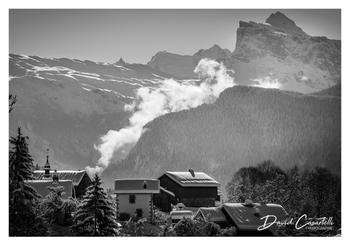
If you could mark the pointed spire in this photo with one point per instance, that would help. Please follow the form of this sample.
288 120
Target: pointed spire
47 167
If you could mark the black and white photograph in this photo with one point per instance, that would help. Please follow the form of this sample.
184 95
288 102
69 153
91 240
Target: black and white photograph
174 122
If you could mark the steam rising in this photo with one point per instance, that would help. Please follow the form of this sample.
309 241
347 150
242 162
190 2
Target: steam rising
170 96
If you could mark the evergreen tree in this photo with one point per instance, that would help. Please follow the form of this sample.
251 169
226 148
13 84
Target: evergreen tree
55 209
22 197
95 215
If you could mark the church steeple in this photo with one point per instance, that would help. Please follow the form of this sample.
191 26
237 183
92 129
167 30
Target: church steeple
47 167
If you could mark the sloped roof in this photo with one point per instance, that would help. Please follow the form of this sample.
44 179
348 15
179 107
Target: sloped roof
75 176
187 180
167 191
41 186
133 186
212 214
244 216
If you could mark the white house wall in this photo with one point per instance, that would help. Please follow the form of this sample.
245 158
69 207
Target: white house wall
142 201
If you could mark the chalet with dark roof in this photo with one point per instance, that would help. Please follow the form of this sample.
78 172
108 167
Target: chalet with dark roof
80 179
193 189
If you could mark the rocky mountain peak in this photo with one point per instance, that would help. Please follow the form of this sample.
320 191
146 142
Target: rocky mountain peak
214 52
120 62
282 22
265 51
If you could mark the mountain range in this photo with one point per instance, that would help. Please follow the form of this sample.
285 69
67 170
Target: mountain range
277 49
68 104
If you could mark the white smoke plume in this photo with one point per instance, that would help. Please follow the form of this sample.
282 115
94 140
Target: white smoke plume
170 96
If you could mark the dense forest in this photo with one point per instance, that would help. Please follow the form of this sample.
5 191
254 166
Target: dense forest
245 126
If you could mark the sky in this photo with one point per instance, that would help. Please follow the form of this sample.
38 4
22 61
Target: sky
136 35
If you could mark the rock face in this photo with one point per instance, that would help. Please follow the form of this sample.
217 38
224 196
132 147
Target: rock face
279 20
277 50
245 126
283 51
181 66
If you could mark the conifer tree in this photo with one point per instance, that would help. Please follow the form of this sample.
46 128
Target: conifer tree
22 197
55 209
95 215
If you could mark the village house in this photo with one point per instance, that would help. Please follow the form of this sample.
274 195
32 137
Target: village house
134 198
193 189
246 217
79 179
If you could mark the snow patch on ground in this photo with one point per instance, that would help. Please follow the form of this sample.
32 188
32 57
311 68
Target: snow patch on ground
267 82
87 89
161 77
87 76
281 33
122 67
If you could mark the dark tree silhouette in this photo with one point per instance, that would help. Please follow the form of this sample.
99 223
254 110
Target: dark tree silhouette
55 209
95 215
22 197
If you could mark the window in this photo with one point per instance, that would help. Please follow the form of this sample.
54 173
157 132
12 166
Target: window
139 212
132 198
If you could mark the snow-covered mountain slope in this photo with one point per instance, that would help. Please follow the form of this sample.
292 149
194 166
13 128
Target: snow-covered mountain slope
118 79
67 104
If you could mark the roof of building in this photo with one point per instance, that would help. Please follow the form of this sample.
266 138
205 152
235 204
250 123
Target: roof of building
134 186
181 213
167 191
211 214
249 217
75 176
186 179
41 186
